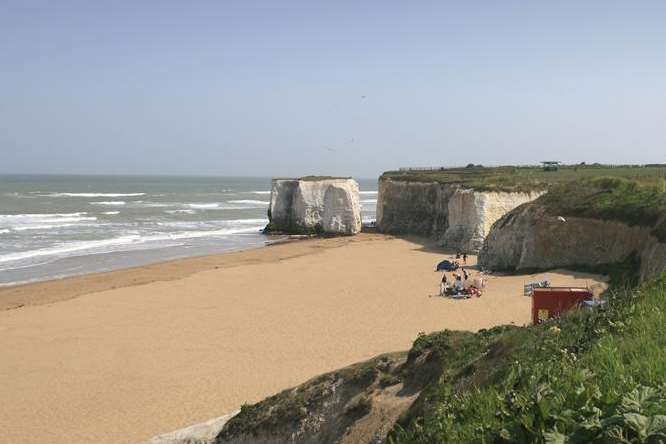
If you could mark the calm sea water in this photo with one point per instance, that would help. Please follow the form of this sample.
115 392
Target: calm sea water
58 226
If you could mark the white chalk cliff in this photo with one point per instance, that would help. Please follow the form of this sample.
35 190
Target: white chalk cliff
315 205
531 238
457 217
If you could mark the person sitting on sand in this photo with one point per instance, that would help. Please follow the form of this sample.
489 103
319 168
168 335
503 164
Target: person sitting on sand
459 283
443 286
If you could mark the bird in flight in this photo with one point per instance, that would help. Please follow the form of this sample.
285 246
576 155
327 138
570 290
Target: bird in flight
328 148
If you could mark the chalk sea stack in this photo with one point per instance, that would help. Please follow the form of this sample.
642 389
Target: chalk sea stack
315 205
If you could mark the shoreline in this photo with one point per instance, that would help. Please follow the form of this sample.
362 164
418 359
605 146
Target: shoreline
69 287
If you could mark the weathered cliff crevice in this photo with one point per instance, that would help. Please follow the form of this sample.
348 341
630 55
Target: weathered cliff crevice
308 205
457 217
529 237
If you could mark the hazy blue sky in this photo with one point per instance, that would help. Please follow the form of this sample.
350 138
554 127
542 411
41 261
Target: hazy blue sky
289 88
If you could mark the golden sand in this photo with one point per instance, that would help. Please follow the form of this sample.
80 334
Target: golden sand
119 357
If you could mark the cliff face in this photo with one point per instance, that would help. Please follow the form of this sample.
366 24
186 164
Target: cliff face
458 217
472 213
528 237
315 206
413 208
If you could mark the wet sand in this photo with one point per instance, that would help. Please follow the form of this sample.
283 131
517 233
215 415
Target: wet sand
122 356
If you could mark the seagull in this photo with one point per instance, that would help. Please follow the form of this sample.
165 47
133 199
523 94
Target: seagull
561 219
328 148
363 97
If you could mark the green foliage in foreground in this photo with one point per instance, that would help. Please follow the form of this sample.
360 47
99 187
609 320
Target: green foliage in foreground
529 178
592 376
611 199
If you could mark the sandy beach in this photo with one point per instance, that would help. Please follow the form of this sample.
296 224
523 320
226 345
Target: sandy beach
122 356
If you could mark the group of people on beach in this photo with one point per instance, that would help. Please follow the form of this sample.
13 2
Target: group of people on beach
462 284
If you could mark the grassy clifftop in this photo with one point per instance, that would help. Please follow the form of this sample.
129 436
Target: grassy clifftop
528 178
611 199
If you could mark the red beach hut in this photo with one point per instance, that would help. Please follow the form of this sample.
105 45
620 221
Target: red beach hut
551 302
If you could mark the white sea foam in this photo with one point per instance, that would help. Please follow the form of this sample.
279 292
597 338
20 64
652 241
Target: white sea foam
111 213
260 192
248 221
368 192
250 202
94 194
69 247
130 242
203 225
109 202
43 227
142 204
38 215
368 201
4 231
20 222
231 205
204 206
181 212
20 195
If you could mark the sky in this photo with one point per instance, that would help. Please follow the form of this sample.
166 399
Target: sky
287 88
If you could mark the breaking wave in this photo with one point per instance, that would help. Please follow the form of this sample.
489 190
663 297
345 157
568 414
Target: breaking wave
94 194
109 202
250 202
126 242
22 222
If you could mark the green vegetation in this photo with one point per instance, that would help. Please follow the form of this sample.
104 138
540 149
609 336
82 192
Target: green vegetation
529 178
611 199
591 376
313 178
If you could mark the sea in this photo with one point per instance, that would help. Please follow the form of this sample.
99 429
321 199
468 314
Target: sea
58 226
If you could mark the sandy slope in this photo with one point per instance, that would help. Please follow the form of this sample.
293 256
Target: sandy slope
182 342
